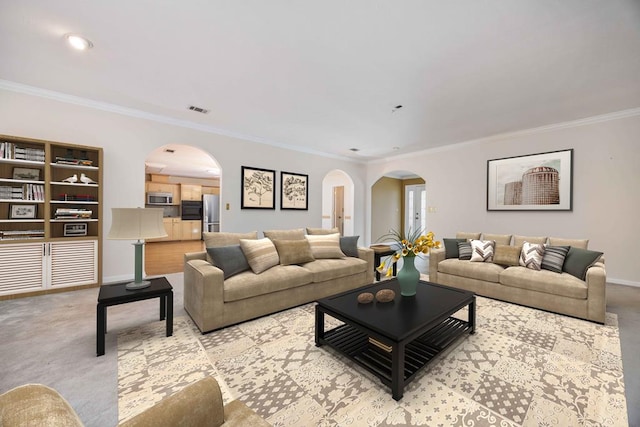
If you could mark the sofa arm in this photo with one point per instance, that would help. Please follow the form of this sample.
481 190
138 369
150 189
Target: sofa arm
203 293
367 255
435 256
36 405
596 292
189 256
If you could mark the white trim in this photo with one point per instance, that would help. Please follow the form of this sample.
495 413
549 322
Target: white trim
131 112
623 282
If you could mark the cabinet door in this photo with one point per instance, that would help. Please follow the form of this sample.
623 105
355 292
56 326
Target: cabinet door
191 192
21 268
73 263
176 232
191 230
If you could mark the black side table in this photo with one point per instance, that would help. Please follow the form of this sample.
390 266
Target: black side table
118 294
380 251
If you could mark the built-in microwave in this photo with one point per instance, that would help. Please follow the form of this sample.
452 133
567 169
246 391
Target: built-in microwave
159 198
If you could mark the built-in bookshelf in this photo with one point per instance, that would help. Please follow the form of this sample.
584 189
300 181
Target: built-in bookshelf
50 198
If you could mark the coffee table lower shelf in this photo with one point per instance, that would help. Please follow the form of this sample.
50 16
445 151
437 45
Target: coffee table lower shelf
376 357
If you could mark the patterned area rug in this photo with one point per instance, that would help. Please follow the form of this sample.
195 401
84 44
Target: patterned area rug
523 367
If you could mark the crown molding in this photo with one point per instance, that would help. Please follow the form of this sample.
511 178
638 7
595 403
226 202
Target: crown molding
132 112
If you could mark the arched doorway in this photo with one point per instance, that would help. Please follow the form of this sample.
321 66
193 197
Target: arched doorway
338 202
187 179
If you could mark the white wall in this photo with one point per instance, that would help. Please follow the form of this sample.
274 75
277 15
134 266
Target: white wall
606 198
127 141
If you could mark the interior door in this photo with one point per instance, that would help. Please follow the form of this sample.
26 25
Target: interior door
338 208
415 208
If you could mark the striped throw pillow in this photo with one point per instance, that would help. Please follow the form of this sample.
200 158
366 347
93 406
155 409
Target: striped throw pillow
482 250
464 250
531 255
553 258
325 246
261 254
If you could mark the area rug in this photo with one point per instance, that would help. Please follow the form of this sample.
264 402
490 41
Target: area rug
523 367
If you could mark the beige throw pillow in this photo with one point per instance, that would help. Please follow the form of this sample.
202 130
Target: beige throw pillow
261 254
325 246
507 255
293 251
218 239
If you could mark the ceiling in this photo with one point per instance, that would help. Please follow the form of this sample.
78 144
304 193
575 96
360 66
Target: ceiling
327 76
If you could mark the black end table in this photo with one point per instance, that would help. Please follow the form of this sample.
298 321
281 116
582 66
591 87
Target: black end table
379 252
118 294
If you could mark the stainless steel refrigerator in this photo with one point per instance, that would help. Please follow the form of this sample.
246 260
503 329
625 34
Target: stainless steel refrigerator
210 212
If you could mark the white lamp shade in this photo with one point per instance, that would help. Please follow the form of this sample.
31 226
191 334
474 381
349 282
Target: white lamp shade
136 224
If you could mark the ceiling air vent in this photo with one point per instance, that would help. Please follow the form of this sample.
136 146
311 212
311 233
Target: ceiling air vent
198 109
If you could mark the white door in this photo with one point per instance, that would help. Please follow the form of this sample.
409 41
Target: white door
415 208
338 208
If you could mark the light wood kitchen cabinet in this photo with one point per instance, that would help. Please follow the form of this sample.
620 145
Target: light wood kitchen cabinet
191 192
210 190
191 230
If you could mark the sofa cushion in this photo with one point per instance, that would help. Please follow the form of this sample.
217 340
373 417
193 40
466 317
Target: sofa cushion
519 240
464 250
579 260
216 239
500 239
507 255
293 251
531 255
576 243
330 269
544 281
320 231
292 234
349 245
230 259
486 271
467 236
261 254
553 258
325 246
482 250
249 284
451 247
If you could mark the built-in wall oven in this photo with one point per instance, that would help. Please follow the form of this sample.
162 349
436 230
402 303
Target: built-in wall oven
191 210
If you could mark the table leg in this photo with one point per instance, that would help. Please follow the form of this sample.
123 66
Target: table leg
163 307
397 371
319 325
101 329
472 316
169 305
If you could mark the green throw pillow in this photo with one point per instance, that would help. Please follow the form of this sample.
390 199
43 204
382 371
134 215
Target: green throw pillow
578 261
229 259
451 247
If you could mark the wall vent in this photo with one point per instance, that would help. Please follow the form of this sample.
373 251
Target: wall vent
198 109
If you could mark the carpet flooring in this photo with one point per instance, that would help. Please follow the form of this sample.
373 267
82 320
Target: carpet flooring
523 367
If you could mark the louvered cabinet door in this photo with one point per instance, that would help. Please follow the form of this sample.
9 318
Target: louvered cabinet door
22 268
73 263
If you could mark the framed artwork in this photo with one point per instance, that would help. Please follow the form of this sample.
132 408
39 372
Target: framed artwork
23 211
258 188
28 174
294 191
533 182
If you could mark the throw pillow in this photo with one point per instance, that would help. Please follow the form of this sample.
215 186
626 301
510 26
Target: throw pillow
464 250
451 247
216 239
531 255
293 234
229 259
317 231
261 254
507 255
553 258
293 251
349 245
579 260
482 250
325 246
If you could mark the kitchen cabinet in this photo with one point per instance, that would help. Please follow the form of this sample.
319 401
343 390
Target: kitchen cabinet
177 229
191 230
191 192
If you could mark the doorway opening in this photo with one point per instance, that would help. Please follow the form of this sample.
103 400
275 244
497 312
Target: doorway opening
338 202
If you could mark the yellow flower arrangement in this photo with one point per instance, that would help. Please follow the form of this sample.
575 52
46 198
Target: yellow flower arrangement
411 245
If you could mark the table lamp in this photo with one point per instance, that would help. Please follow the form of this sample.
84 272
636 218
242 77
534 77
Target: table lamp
140 224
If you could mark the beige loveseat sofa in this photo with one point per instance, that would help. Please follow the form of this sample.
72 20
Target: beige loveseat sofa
198 404
559 292
214 302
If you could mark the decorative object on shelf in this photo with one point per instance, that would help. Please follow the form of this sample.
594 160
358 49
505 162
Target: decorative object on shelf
28 174
136 224
84 178
258 186
23 211
385 295
534 182
365 298
407 248
75 229
294 191
71 179
73 161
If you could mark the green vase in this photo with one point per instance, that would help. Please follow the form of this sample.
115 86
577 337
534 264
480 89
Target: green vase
408 277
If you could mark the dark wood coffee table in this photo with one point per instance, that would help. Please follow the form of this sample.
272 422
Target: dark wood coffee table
395 340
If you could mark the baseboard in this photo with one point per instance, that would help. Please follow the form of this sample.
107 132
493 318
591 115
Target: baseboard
623 282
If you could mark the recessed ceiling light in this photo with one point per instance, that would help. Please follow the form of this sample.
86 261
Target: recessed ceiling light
355 150
78 42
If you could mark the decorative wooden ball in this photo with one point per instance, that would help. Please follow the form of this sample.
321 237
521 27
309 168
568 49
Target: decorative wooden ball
365 298
385 295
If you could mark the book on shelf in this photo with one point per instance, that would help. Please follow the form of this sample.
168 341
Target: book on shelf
21 234
380 345
70 213
9 150
73 161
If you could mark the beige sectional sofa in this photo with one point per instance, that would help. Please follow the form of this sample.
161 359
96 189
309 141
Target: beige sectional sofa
214 302
559 292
